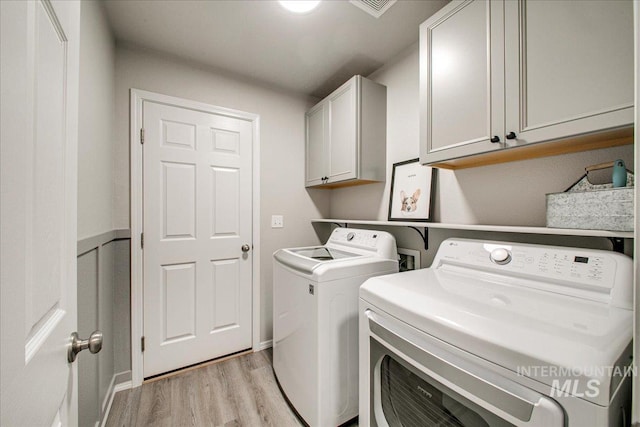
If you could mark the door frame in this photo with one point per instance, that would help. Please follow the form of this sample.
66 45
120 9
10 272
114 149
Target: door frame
137 97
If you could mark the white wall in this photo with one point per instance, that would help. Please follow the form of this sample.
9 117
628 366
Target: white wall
95 206
281 139
95 134
505 194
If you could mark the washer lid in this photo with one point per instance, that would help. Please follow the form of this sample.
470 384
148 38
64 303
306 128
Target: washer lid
543 335
322 253
309 258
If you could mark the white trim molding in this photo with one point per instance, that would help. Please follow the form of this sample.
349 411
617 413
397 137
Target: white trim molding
93 242
137 97
263 345
635 393
108 401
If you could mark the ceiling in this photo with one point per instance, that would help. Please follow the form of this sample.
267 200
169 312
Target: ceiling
311 53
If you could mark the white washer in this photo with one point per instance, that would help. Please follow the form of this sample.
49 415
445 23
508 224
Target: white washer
315 320
499 334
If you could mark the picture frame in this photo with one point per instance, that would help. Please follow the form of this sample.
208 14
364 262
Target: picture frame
411 194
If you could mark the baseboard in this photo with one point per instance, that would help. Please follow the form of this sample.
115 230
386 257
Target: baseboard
108 401
107 398
264 345
122 386
123 377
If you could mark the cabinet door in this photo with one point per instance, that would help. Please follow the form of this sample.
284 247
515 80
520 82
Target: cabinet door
316 154
343 132
462 80
569 67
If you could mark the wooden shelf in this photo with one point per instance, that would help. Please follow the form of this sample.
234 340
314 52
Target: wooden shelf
495 228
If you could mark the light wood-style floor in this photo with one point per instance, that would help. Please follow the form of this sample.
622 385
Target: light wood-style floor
241 391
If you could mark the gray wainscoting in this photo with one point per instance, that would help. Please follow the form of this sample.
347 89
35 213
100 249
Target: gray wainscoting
103 303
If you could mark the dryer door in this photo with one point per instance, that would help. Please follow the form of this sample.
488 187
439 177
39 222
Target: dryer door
416 381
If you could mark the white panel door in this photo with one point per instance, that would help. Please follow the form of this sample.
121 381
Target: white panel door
197 216
38 151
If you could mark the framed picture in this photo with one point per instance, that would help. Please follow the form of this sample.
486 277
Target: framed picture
411 191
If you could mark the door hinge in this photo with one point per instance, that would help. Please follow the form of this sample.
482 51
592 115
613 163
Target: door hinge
142 240
142 343
141 135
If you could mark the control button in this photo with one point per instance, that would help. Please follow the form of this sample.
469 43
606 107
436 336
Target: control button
500 256
350 236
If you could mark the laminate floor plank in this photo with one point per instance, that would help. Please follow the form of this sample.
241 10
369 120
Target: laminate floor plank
119 409
237 392
241 390
272 407
222 404
155 405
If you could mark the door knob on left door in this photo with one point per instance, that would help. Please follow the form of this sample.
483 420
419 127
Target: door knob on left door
246 248
94 344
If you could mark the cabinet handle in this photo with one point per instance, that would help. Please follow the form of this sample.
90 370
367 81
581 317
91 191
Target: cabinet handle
511 135
495 138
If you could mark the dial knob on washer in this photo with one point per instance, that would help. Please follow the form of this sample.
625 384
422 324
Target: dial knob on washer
500 256
350 236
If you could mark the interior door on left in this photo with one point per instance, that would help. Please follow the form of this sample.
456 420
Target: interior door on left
39 44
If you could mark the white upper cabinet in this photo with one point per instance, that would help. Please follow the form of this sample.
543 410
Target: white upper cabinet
346 136
461 80
315 150
569 67
343 133
498 74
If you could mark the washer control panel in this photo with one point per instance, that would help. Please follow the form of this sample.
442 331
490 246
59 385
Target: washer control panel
377 242
355 237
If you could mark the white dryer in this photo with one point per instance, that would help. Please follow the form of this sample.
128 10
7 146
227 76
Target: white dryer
315 320
499 334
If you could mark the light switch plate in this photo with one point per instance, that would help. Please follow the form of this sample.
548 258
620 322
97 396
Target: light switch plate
277 221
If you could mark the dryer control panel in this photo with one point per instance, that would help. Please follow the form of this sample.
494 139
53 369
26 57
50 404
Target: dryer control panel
588 273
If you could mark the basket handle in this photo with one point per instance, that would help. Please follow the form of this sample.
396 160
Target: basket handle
599 166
